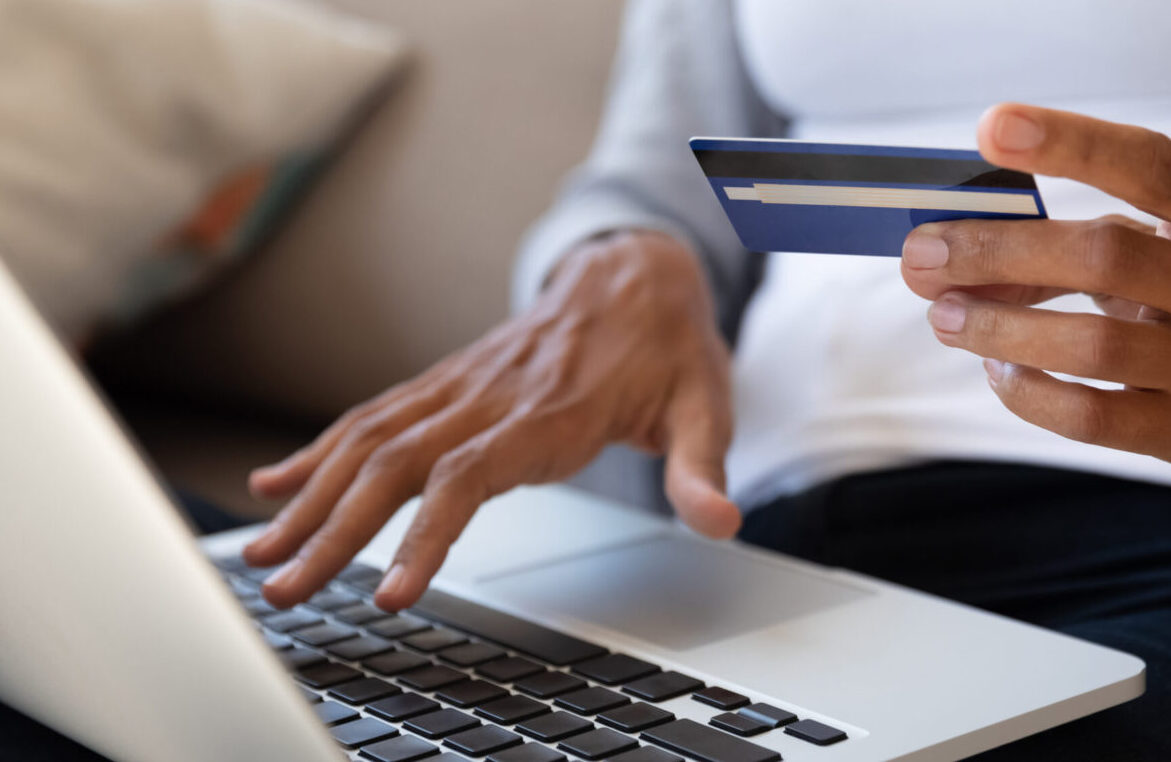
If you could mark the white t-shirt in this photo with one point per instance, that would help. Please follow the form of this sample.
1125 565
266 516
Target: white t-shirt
837 370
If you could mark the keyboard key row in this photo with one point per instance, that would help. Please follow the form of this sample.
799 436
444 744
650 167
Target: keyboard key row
375 649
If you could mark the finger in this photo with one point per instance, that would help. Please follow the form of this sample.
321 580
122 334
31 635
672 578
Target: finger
1086 345
1097 257
1121 419
515 451
306 512
280 480
1130 163
699 431
392 474
1162 230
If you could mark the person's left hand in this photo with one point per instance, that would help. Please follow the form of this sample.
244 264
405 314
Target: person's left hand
984 277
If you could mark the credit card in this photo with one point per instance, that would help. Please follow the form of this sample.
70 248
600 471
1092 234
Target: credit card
832 198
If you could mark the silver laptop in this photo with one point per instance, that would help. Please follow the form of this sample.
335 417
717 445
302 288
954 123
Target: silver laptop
561 627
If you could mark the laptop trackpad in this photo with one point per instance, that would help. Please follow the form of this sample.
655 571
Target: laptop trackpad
675 591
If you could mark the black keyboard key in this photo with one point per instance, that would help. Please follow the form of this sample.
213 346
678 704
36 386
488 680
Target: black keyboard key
613 669
449 756
471 654
646 754
326 675
276 640
258 607
591 700
397 626
399 749
328 600
469 693
442 723
704 744
354 572
356 649
554 727
364 579
395 663
720 698
300 658
509 669
483 740
324 634
243 588
431 678
363 690
529 752
770 715
257 575
598 744
309 695
294 619
549 684
231 563
331 712
815 732
663 686
359 613
635 717
740 724
437 639
511 709
361 732
402 707
512 632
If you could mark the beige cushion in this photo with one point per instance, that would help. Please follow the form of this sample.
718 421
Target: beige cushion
403 252
142 143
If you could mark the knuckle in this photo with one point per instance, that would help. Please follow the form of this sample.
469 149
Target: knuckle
988 325
457 466
1159 181
1105 257
388 459
1088 419
365 432
977 247
1103 345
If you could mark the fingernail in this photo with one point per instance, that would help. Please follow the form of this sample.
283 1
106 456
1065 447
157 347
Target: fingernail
947 315
284 576
392 581
266 471
262 542
924 251
996 370
1017 133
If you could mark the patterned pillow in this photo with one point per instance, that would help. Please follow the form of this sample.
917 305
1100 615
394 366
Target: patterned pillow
145 143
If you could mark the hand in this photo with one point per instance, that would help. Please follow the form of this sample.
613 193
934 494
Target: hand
983 277
621 346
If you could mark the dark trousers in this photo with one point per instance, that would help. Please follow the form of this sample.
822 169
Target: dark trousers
1085 555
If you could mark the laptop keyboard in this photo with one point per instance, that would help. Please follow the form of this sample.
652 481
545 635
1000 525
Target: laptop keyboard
453 681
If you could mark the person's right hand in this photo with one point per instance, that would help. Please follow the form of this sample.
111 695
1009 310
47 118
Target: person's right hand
621 347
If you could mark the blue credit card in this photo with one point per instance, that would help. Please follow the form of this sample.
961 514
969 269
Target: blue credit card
831 198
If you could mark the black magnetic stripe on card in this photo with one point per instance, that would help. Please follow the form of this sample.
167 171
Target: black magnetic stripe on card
861 168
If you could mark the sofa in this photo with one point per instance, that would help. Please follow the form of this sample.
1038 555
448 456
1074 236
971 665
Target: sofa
399 254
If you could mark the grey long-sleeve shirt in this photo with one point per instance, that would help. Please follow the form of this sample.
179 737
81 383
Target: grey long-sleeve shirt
678 73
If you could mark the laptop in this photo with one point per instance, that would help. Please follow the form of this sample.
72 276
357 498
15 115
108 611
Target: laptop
562 627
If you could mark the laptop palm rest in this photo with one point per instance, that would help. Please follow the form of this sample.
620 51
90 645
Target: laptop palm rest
675 591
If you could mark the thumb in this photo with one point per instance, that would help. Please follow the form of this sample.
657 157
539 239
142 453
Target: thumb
699 431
